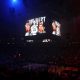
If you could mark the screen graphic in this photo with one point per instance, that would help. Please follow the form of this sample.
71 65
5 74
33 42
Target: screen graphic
35 26
56 28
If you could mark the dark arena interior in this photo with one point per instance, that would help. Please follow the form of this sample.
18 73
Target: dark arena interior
39 39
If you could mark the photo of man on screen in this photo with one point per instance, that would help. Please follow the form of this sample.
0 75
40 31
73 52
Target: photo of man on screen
27 28
56 28
41 28
34 28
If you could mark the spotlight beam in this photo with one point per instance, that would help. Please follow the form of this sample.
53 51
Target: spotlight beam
14 1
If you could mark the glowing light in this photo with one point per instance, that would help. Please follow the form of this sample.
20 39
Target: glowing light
15 3
14 0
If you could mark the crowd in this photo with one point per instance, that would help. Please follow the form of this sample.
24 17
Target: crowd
23 74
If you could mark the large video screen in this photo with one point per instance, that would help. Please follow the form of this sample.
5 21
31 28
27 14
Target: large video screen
36 26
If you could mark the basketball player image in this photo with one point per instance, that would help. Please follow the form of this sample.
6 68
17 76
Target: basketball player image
41 27
56 28
27 28
34 28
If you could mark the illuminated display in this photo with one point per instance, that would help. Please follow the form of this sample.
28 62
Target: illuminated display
36 26
56 28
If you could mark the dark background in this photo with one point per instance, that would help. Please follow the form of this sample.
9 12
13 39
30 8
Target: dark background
13 16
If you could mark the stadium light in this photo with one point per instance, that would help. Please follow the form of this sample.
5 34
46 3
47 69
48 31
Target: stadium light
14 1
